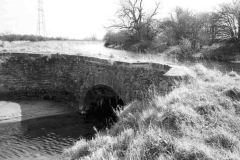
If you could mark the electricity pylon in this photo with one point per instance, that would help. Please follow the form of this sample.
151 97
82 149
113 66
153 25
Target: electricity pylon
41 27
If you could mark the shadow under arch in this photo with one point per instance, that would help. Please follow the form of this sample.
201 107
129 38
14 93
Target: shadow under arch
104 78
101 101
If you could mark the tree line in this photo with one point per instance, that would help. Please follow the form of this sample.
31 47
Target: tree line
32 38
135 29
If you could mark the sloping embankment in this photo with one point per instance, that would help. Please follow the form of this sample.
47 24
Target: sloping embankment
197 120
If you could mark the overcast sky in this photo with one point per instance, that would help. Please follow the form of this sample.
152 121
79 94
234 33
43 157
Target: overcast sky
78 18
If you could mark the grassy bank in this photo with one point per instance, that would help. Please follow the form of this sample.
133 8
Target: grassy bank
199 119
222 51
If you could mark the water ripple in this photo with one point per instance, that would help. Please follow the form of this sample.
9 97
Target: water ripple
42 137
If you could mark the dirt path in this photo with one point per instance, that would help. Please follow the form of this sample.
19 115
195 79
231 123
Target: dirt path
23 110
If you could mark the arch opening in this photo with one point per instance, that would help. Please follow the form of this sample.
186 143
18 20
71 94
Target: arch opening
102 101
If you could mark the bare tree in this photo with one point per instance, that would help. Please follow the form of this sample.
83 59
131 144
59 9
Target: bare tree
131 17
236 10
229 20
212 28
185 24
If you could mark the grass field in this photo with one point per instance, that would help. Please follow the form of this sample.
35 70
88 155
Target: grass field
198 120
81 48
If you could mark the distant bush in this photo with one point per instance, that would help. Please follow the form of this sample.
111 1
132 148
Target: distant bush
141 46
157 46
225 51
116 38
31 38
185 45
126 41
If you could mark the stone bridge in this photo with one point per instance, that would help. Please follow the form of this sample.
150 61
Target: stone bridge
77 80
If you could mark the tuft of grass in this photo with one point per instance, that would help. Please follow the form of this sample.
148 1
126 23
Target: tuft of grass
198 120
80 149
233 93
225 141
233 74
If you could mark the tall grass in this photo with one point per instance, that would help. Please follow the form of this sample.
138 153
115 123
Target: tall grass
199 120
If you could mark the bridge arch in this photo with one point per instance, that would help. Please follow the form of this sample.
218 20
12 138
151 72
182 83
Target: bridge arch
98 88
102 101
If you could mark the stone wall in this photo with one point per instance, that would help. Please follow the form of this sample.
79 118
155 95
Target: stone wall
69 77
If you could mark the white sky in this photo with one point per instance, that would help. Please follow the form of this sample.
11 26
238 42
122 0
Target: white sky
78 18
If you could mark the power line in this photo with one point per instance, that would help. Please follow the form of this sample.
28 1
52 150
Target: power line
41 27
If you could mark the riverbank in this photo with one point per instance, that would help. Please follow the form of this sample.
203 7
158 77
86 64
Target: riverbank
199 119
221 52
13 111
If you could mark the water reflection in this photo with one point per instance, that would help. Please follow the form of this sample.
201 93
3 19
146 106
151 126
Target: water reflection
10 110
45 136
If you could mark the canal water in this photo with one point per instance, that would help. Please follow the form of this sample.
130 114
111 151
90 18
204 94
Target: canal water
43 138
30 130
